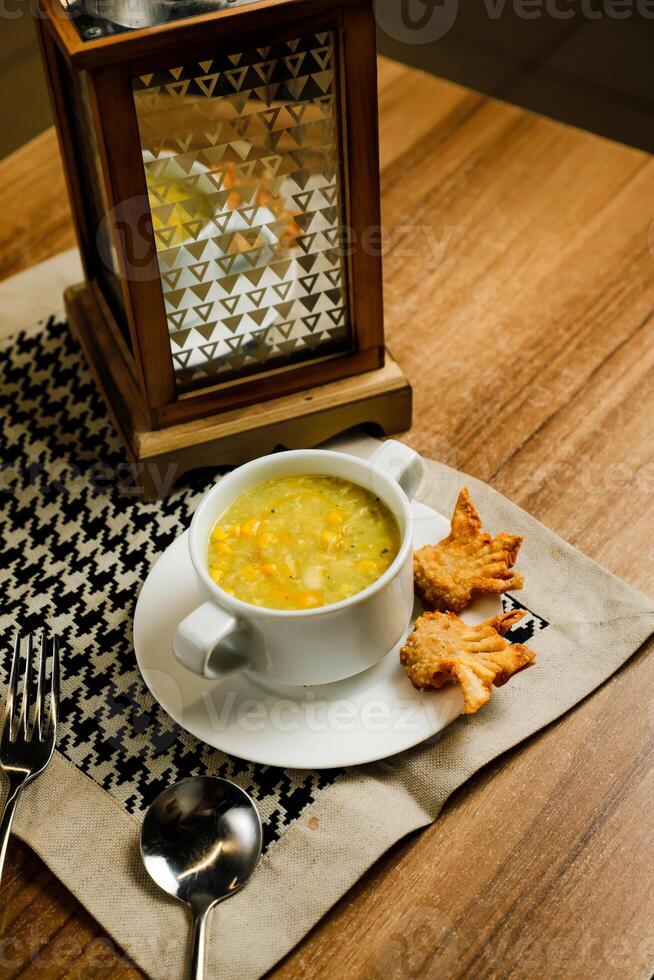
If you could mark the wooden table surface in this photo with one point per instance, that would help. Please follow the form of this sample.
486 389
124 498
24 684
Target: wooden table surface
519 295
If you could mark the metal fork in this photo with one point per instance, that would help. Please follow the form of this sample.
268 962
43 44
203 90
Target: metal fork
28 734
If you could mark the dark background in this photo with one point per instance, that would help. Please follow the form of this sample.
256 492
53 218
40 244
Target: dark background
593 69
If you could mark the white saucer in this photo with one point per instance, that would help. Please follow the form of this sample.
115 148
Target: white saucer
362 719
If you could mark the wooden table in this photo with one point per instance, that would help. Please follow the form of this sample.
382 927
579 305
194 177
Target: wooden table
519 297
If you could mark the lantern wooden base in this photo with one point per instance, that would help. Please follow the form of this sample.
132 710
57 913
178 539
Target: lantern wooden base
380 398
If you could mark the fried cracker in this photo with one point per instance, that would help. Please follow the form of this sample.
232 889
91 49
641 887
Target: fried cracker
447 574
442 648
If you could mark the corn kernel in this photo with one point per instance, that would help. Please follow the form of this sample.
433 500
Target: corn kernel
335 517
269 568
218 534
309 600
249 572
367 566
250 528
216 573
224 548
328 537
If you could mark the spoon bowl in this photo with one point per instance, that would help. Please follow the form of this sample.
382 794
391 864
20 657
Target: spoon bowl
200 842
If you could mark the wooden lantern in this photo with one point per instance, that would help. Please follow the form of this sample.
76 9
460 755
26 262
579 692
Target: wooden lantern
222 165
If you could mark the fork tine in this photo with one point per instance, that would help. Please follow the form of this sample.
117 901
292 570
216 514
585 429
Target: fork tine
40 688
27 685
12 689
54 687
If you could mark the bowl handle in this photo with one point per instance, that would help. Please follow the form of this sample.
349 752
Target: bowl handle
198 640
399 462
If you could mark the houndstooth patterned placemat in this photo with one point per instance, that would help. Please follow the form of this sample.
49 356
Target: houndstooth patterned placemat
74 553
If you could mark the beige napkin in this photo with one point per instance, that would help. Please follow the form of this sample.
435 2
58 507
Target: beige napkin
595 622
37 292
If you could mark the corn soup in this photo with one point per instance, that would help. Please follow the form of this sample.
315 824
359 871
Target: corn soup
302 541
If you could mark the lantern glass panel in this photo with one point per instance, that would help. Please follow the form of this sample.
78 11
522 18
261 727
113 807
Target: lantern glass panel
105 267
241 156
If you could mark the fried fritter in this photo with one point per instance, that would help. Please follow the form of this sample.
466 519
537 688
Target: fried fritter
442 648
467 561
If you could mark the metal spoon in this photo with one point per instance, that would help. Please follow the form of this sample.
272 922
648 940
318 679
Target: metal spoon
201 841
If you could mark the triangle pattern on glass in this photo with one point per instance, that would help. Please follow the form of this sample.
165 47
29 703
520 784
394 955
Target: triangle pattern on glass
206 330
209 350
230 303
201 290
241 155
178 337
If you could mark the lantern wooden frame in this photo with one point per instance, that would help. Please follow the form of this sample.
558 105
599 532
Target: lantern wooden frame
159 425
